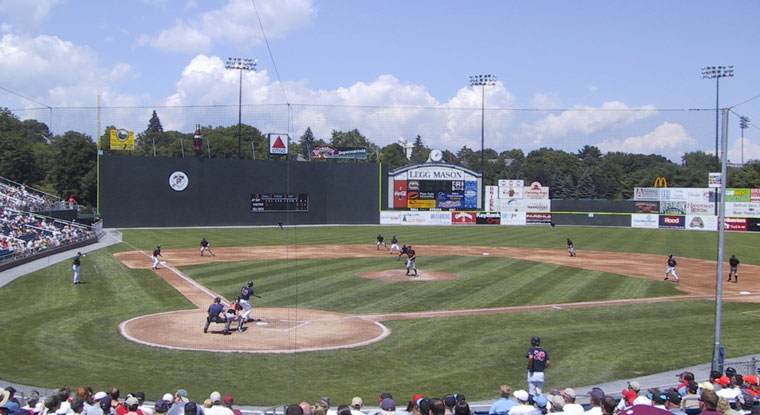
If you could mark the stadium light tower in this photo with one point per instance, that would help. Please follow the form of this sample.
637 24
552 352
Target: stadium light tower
241 64
743 124
717 72
482 81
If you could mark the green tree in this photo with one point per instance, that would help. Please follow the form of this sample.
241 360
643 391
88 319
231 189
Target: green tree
154 125
354 138
75 156
393 155
419 151
586 187
307 142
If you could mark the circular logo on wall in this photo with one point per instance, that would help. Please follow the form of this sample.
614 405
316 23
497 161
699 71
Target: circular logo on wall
178 181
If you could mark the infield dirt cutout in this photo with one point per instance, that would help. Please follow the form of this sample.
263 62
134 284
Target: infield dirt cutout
290 330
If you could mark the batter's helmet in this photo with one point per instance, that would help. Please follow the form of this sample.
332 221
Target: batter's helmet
535 340
217 300
250 283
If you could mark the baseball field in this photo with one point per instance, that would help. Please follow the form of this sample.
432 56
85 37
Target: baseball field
361 327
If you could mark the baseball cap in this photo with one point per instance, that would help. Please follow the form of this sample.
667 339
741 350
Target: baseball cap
673 396
162 406
706 386
751 379
569 392
388 404
357 402
540 400
383 396
140 396
521 395
132 401
100 395
449 400
597 393
229 400
634 385
417 397
557 402
730 371
215 397
167 397
723 380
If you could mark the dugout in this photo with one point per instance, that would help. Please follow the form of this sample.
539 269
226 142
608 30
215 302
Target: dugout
168 192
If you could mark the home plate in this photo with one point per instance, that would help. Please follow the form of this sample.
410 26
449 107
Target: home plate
261 323
744 293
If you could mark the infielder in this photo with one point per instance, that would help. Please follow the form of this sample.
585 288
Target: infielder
381 241
206 247
156 254
570 247
245 294
538 361
734 263
411 260
671 268
77 261
394 245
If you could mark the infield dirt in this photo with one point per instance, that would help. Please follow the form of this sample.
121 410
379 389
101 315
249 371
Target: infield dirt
297 330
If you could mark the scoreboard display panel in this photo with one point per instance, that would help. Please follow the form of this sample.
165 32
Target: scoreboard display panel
279 202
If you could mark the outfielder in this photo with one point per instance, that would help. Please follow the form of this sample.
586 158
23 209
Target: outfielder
205 247
245 294
734 263
671 268
570 247
156 254
411 260
77 261
381 241
394 245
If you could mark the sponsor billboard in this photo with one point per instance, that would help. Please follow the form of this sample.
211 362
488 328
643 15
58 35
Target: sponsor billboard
641 220
330 152
754 195
735 194
536 205
399 194
672 222
702 222
420 204
463 218
736 224
278 143
511 183
415 218
492 198
390 218
701 208
470 195
646 207
536 191
513 218
673 208
510 192
538 218
646 193
753 224
746 209
488 218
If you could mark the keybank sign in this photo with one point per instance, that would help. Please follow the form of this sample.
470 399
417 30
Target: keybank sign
437 174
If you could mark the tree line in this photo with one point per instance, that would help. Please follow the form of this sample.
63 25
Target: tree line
65 164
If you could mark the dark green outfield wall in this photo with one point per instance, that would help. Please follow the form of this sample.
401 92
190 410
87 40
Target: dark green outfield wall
135 192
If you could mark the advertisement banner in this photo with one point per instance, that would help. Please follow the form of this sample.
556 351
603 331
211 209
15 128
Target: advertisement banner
673 208
450 203
753 224
700 208
330 152
536 205
538 218
421 203
714 180
734 194
122 139
702 222
672 222
536 191
748 209
699 195
736 224
390 218
471 195
492 198
415 218
646 207
513 218
510 192
463 218
646 193
754 195
278 143
488 218
640 220
511 183
399 194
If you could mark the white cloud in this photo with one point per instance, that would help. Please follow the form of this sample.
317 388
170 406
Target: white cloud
669 139
236 23
751 150
545 101
27 15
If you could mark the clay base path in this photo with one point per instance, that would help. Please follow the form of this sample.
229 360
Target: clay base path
300 330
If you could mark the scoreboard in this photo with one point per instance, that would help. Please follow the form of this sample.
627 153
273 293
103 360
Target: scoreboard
279 202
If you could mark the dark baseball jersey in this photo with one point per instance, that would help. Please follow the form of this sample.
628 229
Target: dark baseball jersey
380 238
215 309
734 262
394 240
671 262
204 243
411 254
246 292
157 252
404 249
540 356
77 260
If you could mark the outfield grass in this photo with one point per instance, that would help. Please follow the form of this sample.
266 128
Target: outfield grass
56 333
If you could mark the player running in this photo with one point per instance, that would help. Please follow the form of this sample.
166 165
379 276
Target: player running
394 245
205 247
156 254
734 263
381 241
671 268
570 247
411 261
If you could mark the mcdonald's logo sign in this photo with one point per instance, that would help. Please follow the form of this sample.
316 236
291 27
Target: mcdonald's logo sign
660 182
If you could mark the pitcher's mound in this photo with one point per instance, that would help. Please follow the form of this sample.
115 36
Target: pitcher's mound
400 275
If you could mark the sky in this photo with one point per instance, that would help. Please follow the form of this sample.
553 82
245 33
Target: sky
621 75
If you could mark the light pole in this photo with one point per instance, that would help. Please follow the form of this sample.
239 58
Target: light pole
482 80
743 124
717 72
241 64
